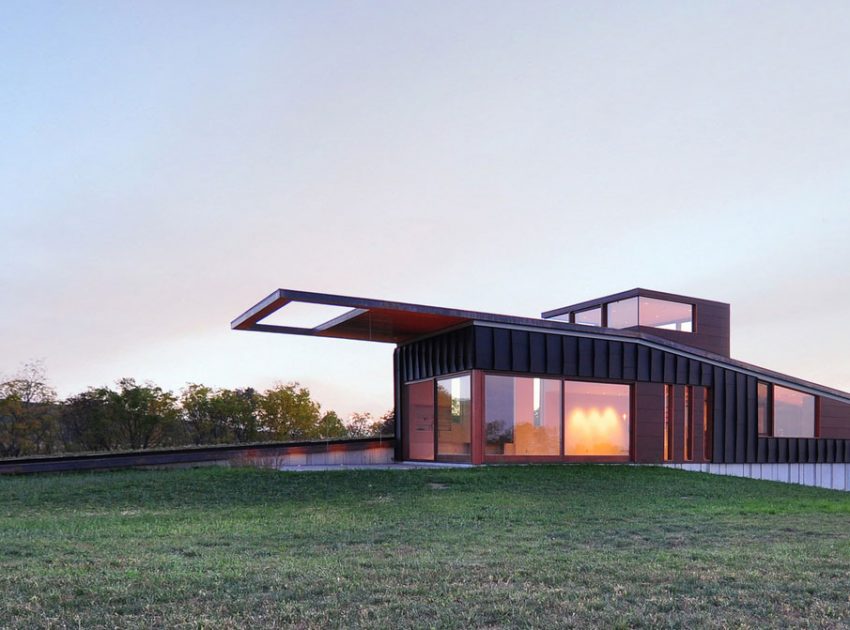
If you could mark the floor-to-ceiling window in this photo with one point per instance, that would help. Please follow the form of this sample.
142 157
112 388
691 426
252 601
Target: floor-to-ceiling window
596 419
522 416
454 417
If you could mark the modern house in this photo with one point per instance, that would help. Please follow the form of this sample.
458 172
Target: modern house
639 376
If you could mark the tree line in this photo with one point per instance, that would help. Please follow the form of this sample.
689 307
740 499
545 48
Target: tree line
133 416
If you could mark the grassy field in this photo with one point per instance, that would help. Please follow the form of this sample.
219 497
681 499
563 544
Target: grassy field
542 546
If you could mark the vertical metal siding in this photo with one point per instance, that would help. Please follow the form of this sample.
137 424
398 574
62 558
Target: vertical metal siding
729 417
733 394
629 362
751 419
740 418
519 351
585 357
600 358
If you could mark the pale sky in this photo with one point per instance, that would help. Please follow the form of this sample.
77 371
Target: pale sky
165 165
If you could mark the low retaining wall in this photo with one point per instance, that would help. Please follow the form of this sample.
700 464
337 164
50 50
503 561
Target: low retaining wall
349 451
832 476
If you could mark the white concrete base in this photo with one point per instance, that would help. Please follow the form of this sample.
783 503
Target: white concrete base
832 476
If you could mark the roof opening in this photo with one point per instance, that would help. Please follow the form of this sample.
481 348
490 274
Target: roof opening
304 315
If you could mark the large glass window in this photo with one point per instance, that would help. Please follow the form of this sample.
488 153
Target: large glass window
590 317
454 417
667 315
764 408
623 314
793 413
596 419
522 416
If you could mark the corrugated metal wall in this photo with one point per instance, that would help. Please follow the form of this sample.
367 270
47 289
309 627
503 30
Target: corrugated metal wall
733 394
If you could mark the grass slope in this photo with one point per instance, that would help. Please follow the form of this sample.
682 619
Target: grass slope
544 546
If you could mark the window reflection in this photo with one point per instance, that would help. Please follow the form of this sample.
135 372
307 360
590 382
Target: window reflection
522 416
666 315
793 413
596 419
590 317
623 314
454 416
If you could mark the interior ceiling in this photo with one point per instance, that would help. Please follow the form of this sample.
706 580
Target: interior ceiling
388 325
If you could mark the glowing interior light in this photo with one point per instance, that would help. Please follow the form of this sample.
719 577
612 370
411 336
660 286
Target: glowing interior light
597 431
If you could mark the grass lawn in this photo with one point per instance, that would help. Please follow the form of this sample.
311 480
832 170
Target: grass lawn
540 546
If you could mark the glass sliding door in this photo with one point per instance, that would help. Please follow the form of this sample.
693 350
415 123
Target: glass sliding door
454 418
419 420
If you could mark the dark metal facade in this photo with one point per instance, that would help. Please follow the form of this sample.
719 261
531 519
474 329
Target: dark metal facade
732 391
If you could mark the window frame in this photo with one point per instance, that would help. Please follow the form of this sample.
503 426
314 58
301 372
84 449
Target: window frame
603 311
607 305
693 306
452 458
515 375
489 458
815 414
605 320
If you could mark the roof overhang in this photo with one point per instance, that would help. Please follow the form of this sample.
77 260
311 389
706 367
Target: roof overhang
366 319
400 322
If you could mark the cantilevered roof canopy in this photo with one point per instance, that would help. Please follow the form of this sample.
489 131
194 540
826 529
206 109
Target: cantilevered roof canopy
368 320
399 322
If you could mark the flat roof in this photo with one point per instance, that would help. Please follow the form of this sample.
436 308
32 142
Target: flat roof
400 322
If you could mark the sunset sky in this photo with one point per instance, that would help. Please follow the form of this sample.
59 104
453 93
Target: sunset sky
165 165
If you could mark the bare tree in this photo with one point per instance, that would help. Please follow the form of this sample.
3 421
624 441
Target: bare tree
28 413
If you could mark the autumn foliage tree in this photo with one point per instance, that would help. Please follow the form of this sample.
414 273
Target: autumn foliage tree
132 415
